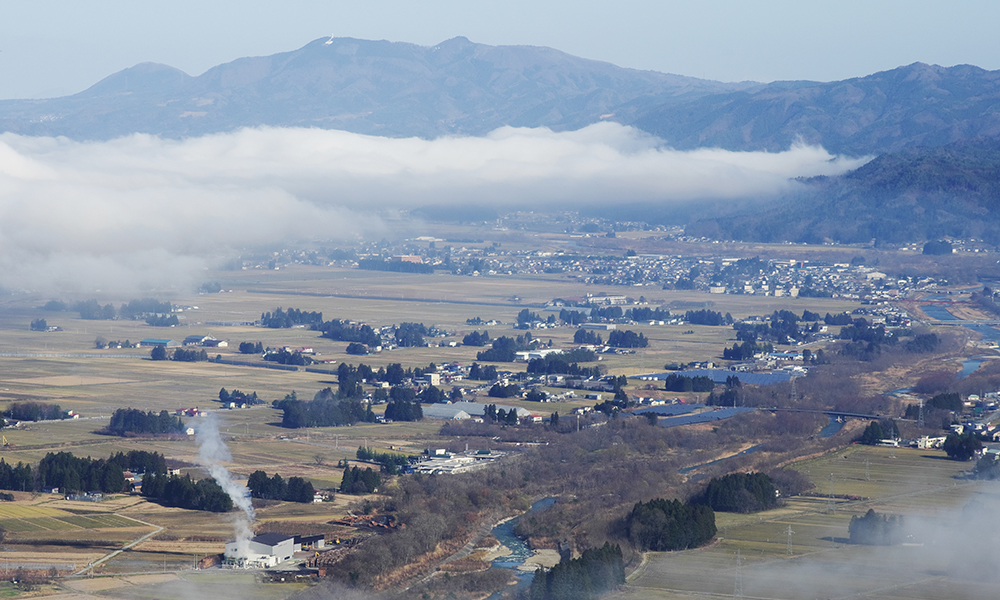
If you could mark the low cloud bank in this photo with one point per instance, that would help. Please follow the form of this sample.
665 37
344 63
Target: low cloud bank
143 212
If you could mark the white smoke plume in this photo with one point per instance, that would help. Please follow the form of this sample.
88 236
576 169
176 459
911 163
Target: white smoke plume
141 212
212 452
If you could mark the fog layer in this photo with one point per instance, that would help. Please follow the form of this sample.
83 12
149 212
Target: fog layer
141 212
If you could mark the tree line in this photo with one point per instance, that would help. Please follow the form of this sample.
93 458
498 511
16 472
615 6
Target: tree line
482 372
286 357
707 317
564 364
587 336
70 473
179 354
239 397
325 410
390 461
876 431
663 525
395 266
127 422
595 572
344 331
34 411
162 320
404 410
746 351
505 349
295 489
184 492
476 339
683 383
285 319
740 493
92 309
875 529
251 348
626 338
356 481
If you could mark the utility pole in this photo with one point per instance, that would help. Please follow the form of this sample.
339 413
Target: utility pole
920 418
789 532
829 504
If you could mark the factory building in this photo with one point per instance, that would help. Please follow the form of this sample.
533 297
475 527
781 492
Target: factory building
269 549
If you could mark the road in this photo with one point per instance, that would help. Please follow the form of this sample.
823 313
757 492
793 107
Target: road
108 557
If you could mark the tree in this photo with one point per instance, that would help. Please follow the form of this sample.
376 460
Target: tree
158 353
875 529
952 402
962 447
741 492
476 339
596 571
663 525
625 338
938 247
504 391
878 431
127 421
357 349
356 481
39 325
432 395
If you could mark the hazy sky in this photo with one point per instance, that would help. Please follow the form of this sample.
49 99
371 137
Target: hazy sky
57 47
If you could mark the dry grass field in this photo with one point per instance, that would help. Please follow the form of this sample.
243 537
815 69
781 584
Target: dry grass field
922 485
63 367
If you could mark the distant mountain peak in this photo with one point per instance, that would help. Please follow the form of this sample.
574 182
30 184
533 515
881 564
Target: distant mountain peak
144 76
912 105
365 86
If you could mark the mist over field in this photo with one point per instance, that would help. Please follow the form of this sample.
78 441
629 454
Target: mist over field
141 212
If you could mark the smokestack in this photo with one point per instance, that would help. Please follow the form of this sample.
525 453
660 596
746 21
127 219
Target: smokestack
212 452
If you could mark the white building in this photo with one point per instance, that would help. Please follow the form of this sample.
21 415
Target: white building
268 549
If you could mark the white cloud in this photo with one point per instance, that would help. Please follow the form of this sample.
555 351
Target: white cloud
79 215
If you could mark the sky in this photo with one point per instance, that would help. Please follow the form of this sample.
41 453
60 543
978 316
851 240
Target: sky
52 48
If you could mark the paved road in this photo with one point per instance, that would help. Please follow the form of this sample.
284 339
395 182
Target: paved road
104 559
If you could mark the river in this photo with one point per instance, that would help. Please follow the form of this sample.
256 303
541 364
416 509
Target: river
988 333
519 550
504 533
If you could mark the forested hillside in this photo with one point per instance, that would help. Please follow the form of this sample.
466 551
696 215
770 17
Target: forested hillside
911 195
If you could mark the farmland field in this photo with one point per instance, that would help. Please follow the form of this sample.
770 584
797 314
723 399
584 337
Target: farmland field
756 553
63 367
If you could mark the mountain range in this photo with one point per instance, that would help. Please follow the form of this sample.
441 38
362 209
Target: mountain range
459 87
934 130
371 87
911 195
915 105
